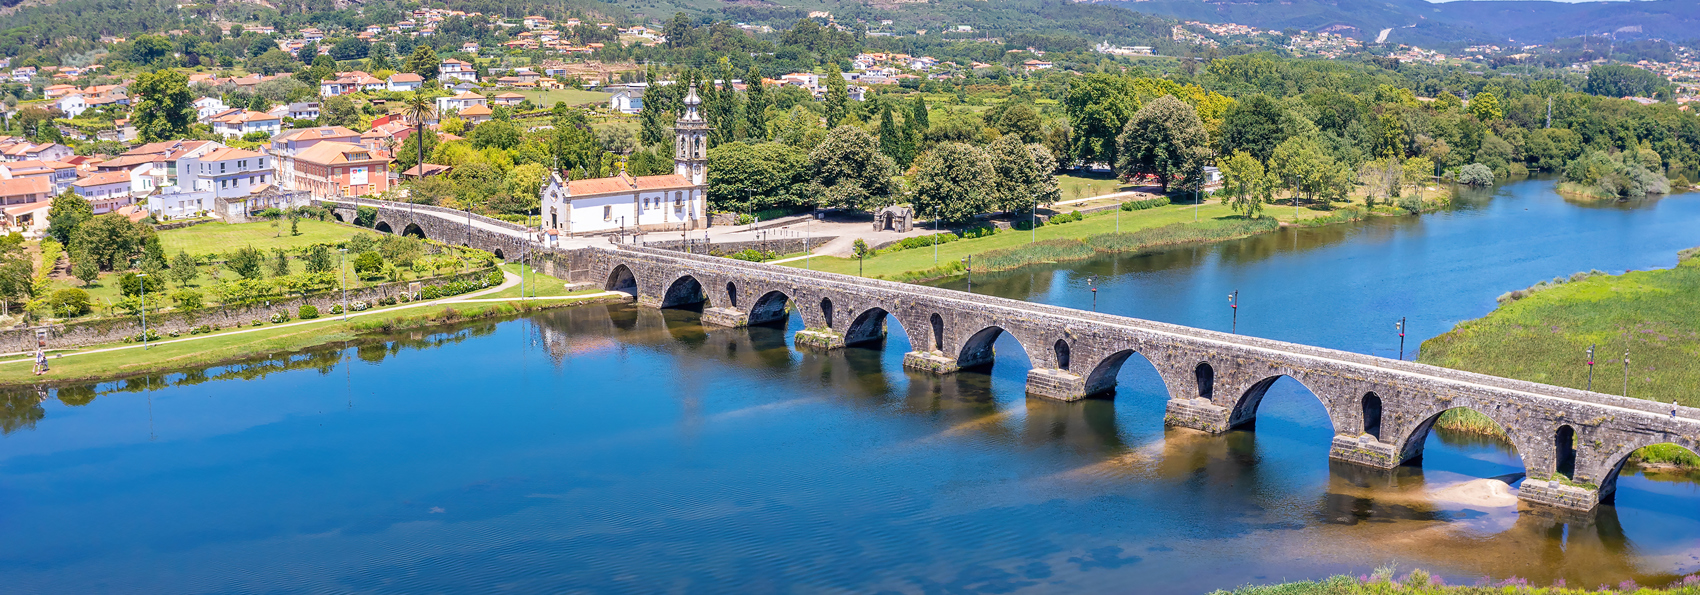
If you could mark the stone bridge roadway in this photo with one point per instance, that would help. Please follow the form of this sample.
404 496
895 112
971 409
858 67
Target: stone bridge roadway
1572 442
495 236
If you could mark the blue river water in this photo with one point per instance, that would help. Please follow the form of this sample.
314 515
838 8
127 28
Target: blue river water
622 450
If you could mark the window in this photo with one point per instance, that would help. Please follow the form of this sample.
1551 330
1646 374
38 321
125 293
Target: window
607 212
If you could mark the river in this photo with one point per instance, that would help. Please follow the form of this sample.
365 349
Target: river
622 450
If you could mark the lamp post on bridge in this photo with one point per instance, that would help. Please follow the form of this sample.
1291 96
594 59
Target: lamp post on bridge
1626 373
1590 367
1401 327
1234 304
1092 281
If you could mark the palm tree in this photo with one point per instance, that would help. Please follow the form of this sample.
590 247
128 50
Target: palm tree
419 108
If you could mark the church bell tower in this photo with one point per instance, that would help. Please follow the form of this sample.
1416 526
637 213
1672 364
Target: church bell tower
690 142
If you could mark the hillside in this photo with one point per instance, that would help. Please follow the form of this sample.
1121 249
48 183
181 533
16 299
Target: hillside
1429 24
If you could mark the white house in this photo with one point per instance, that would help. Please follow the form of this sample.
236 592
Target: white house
628 101
671 202
452 70
458 102
73 105
179 205
206 107
228 173
105 191
244 122
405 81
303 110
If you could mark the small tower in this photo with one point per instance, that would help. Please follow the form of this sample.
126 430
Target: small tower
690 142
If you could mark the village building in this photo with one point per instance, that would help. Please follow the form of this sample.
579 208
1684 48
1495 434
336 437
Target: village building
622 203
338 169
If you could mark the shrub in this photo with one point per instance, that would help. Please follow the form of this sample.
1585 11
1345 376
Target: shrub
1068 217
368 264
336 309
280 317
258 323
358 306
1149 203
308 311
67 303
493 278
187 299
753 255
1475 174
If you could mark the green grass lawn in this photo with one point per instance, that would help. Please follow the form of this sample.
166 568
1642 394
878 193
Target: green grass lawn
1542 337
1086 185
537 284
547 98
219 238
892 264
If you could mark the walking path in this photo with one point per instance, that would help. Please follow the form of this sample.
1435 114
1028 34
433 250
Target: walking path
508 280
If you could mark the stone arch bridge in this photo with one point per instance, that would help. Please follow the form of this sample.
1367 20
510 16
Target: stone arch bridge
505 240
1572 442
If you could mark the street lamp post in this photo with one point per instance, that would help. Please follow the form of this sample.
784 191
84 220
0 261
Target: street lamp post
968 266
342 267
1234 304
1092 281
1626 374
1590 367
143 277
1401 327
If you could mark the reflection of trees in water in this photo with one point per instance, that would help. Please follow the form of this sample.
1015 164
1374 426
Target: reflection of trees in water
324 359
20 409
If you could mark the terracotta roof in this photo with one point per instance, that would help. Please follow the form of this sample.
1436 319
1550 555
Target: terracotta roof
22 186
316 132
467 95
406 77
102 179
28 207
476 110
510 95
329 153
667 181
626 183
227 153
128 161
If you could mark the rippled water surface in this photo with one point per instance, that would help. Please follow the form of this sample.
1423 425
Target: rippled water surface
616 449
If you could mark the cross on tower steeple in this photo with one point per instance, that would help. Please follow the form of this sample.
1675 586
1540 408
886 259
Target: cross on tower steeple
690 142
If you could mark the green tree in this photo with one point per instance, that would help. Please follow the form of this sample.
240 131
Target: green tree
110 240
745 177
368 264
1245 184
17 276
319 259
837 96
65 214
184 268
1485 106
1303 168
131 284
164 108
1098 106
272 62
419 108
279 262
84 268
423 62
891 139
69 303
951 182
496 133
850 171
246 261
1257 124
526 180
1020 120
1417 172
1019 181
1164 139
339 111
755 104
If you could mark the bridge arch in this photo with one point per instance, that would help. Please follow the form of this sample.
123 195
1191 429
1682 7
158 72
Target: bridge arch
684 291
1411 445
1205 375
383 227
1564 445
1245 407
1102 377
413 230
621 279
731 294
978 349
1614 464
868 327
937 323
826 312
770 307
1061 352
1372 415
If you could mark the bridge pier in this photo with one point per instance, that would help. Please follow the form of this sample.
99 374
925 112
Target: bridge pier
820 339
726 317
1559 493
1365 450
1198 414
929 361
1054 383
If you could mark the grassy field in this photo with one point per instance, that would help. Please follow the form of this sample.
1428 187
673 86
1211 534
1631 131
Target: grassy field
219 238
547 98
1543 338
545 286
1083 185
1419 582
898 263
232 345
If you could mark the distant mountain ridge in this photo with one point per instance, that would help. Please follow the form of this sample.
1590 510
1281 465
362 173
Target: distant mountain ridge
1467 21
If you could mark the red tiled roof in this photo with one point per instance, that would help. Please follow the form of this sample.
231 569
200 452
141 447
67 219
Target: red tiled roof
22 186
102 179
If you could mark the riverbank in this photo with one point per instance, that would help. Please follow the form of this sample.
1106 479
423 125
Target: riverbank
1419 582
1067 238
1542 334
120 360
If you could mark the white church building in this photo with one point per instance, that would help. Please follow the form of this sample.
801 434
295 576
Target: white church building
677 201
